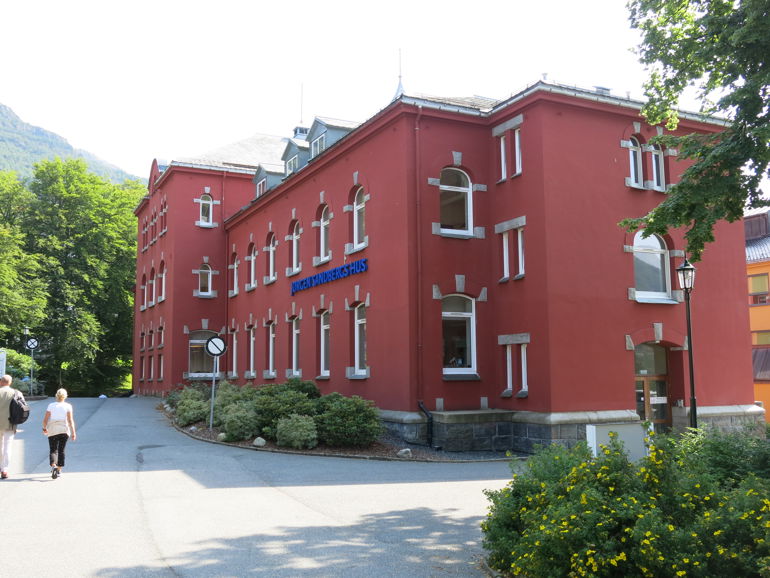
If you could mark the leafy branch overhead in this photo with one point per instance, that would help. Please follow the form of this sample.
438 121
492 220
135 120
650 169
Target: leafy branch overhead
719 48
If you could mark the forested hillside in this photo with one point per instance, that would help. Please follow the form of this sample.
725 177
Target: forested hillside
22 145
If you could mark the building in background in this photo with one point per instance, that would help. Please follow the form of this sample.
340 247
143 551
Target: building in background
758 270
457 261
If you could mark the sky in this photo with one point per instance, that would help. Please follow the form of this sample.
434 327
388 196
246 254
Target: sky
136 80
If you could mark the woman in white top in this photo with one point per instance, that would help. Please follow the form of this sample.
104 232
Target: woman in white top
58 425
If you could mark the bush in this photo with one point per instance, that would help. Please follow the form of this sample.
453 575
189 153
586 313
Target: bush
239 422
296 431
347 421
272 402
189 411
572 514
228 395
308 387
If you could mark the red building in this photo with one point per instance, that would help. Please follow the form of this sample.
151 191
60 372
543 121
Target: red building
459 262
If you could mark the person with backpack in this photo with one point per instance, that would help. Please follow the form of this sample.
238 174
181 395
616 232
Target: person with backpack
58 425
7 428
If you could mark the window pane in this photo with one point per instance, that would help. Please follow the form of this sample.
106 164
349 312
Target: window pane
650 359
456 304
456 347
761 338
200 361
453 178
453 210
758 284
649 272
361 346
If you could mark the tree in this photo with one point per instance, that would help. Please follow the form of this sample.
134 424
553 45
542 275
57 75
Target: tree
719 47
84 231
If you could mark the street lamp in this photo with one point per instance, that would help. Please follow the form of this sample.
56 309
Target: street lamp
686 274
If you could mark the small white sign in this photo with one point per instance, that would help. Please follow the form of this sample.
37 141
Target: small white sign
658 400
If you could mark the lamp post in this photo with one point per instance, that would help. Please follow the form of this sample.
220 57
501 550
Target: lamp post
686 274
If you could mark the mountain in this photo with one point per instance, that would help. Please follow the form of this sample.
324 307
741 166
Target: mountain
22 145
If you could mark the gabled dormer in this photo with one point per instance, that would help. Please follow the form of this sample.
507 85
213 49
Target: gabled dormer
324 132
296 153
266 178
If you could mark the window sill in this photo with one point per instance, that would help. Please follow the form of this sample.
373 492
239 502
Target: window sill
514 175
352 373
203 225
322 377
211 295
318 261
292 272
267 374
232 293
249 375
461 377
249 287
452 234
269 280
350 248
161 299
656 300
290 373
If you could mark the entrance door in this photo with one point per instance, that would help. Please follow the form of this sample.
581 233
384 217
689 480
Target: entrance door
652 402
651 368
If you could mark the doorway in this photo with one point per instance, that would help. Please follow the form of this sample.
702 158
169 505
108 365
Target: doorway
652 387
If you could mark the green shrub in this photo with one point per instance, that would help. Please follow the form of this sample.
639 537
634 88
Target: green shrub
239 422
572 514
189 411
272 402
228 395
308 387
347 421
296 431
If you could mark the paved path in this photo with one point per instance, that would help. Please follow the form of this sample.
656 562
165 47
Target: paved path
138 498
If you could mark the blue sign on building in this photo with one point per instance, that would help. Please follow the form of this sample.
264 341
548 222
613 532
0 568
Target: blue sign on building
341 272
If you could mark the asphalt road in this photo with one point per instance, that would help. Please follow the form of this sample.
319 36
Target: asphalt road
138 498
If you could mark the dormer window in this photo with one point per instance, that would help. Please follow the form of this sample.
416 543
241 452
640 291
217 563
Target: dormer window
292 165
262 187
318 146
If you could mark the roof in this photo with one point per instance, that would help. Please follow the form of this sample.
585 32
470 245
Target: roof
348 124
758 250
246 154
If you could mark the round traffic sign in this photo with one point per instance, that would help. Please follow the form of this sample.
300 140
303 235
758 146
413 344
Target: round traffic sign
215 346
32 343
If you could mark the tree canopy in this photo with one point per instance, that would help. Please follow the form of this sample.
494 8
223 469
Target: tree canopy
69 271
719 48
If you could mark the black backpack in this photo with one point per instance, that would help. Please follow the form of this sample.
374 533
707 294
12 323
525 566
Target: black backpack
18 411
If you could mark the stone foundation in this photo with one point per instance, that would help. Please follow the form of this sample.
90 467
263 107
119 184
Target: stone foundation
524 431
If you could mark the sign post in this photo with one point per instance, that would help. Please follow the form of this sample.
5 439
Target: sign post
215 347
32 344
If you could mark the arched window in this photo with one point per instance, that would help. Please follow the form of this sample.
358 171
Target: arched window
294 354
152 290
652 276
458 321
658 170
252 282
636 176
206 210
144 292
325 252
456 200
234 268
204 280
162 282
294 234
272 243
359 219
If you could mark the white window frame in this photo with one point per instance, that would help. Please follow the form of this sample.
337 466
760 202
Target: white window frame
658 168
206 206
153 276
292 165
199 343
503 157
324 343
509 369
295 336
324 235
635 163
360 367
143 288
318 145
506 256
160 367
272 273
295 266
468 192
271 348
234 356
234 268
261 187
517 152
359 214
251 373
454 315
205 274
251 282
653 296
162 280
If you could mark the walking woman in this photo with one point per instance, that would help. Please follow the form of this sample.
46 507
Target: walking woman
58 425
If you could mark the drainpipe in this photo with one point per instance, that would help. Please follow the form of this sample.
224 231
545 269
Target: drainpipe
418 248
429 415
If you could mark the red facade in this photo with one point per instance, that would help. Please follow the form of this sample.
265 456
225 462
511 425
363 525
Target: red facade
476 265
